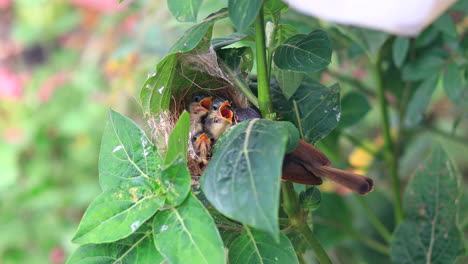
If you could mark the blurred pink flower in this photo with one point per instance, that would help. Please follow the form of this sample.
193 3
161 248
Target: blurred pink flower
10 85
4 3
103 6
56 255
13 135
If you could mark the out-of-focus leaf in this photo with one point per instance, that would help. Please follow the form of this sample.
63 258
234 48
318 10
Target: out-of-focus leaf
236 60
400 50
137 248
354 107
370 40
314 108
310 199
117 213
187 233
126 156
289 81
184 10
304 53
9 165
178 140
175 181
331 220
453 83
243 12
274 7
429 233
258 247
420 100
445 24
242 180
422 68
285 31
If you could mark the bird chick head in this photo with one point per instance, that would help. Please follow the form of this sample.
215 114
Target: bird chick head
222 108
200 103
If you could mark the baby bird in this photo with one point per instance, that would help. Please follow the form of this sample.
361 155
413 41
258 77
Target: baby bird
198 108
219 119
202 144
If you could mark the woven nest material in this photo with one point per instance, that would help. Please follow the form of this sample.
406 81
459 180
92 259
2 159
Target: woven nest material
202 74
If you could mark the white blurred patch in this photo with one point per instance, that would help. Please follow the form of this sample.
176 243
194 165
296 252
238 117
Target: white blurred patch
400 17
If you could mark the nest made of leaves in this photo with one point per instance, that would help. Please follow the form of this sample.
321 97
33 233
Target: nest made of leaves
198 73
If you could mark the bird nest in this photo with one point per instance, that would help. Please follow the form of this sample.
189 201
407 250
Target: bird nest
199 73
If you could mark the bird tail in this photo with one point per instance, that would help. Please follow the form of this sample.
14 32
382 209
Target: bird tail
353 181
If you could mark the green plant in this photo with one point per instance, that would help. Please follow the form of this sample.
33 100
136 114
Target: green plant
148 212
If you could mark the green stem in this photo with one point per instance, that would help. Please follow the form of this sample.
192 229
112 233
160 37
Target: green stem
389 149
264 99
359 143
292 209
379 226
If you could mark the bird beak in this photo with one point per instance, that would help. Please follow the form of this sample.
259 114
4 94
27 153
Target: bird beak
206 103
203 139
225 112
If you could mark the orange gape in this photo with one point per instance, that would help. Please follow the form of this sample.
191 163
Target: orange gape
307 165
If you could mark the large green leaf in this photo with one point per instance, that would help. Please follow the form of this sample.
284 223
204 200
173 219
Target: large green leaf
126 153
257 247
314 108
187 234
117 213
274 7
243 12
288 81
184 10
178 140
242 180
400 50
354 107
453 83
304 53
137 248
175 181
429 233
420 100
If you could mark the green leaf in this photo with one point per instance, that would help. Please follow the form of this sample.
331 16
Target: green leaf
126 154
194 35
310 199
285 31
242 180
354 107
304 53
445 24
155 93
178 140
243 12
137 248
400 50
9 164
188 232
217 43
331 220
453 83
257 247
314 109
420 100
184 10
175 181
422 68
289 81
274 7
429 233
117 213
370 40
236 60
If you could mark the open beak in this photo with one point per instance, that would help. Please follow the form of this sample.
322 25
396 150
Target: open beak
225 112
203 138
206 103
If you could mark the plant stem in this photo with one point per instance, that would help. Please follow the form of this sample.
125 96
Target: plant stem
264 99
292 209
359 143
379 226
389 149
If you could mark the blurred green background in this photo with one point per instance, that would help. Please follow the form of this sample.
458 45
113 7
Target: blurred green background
64 63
